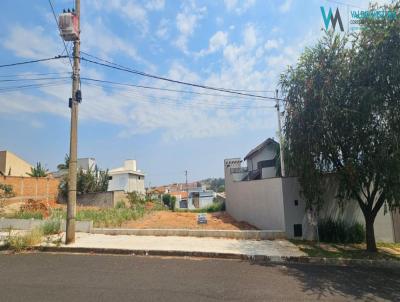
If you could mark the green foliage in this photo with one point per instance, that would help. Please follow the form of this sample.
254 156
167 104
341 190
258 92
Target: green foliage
64 165
26 215
6 191
22 242
135 198
215 184
169 201
343 117
215 207
120 205
51 227
38 171
337 231
91 181
110 217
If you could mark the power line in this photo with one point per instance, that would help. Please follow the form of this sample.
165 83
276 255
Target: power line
33 79
23 87
182 103
126 69
33 61
166 89
58 27
118 65
33 74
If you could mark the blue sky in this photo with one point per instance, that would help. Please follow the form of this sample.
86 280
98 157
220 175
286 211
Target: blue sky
233 44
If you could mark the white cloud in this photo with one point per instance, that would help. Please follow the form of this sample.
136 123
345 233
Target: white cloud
239 7
217 42
186 23
155 4
250 36
272 44
285 6
163 29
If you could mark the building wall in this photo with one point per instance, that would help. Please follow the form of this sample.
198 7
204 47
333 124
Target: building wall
258 202
265 154
18 166
126 182
41 188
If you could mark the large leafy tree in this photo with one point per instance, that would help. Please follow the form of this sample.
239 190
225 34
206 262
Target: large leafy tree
343 117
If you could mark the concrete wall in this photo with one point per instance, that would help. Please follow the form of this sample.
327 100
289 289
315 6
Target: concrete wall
102 199
276 203
18 166
258 202
41 188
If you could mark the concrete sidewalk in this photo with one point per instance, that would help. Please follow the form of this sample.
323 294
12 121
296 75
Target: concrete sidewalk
271 248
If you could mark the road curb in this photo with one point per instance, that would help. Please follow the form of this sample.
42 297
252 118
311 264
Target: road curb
259 259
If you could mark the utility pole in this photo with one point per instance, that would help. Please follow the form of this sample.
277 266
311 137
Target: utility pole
72 172
280 135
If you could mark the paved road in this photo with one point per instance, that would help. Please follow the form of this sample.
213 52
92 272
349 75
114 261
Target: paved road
64 277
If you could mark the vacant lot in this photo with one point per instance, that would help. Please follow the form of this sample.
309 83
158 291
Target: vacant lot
180 220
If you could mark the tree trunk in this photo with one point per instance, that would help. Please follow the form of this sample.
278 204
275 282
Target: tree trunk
369 233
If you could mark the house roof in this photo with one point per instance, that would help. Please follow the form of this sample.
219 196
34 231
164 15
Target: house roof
124 171
183 194
260 147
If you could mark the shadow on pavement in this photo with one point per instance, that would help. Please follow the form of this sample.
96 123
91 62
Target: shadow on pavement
363 283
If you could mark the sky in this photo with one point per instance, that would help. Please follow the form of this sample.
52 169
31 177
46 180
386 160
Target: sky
232 44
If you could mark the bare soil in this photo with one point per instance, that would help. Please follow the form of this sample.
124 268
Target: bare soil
186 220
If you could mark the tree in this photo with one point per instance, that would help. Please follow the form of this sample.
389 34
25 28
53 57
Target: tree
343 117
169 200
65 165
88 181
38 171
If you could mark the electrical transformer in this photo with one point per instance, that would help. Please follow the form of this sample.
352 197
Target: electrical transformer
69 29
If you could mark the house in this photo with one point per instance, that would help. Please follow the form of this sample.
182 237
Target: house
261 160
196 198
86 164
12 165
126 178
276 204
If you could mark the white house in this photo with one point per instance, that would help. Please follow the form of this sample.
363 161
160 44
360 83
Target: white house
260 161
275 203
126 178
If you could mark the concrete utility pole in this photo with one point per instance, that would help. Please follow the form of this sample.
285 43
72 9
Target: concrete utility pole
280 135
72 173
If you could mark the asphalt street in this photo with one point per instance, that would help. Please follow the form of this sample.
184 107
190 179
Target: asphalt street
68 277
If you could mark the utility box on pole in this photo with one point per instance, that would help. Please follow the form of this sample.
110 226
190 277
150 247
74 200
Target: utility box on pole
69 26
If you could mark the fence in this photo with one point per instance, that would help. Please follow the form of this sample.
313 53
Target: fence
37 188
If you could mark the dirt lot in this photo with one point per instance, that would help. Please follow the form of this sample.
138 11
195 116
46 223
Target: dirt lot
179 220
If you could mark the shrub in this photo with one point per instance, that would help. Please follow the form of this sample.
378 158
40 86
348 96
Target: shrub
51 226
120 205
25 241
172 203
337 231
135 199
26 215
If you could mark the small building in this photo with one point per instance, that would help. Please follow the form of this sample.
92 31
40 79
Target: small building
261 160
196 198
126 178
12 165
86 164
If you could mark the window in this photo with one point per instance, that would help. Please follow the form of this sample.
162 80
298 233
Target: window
139 177
109 177
296 202
298 230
